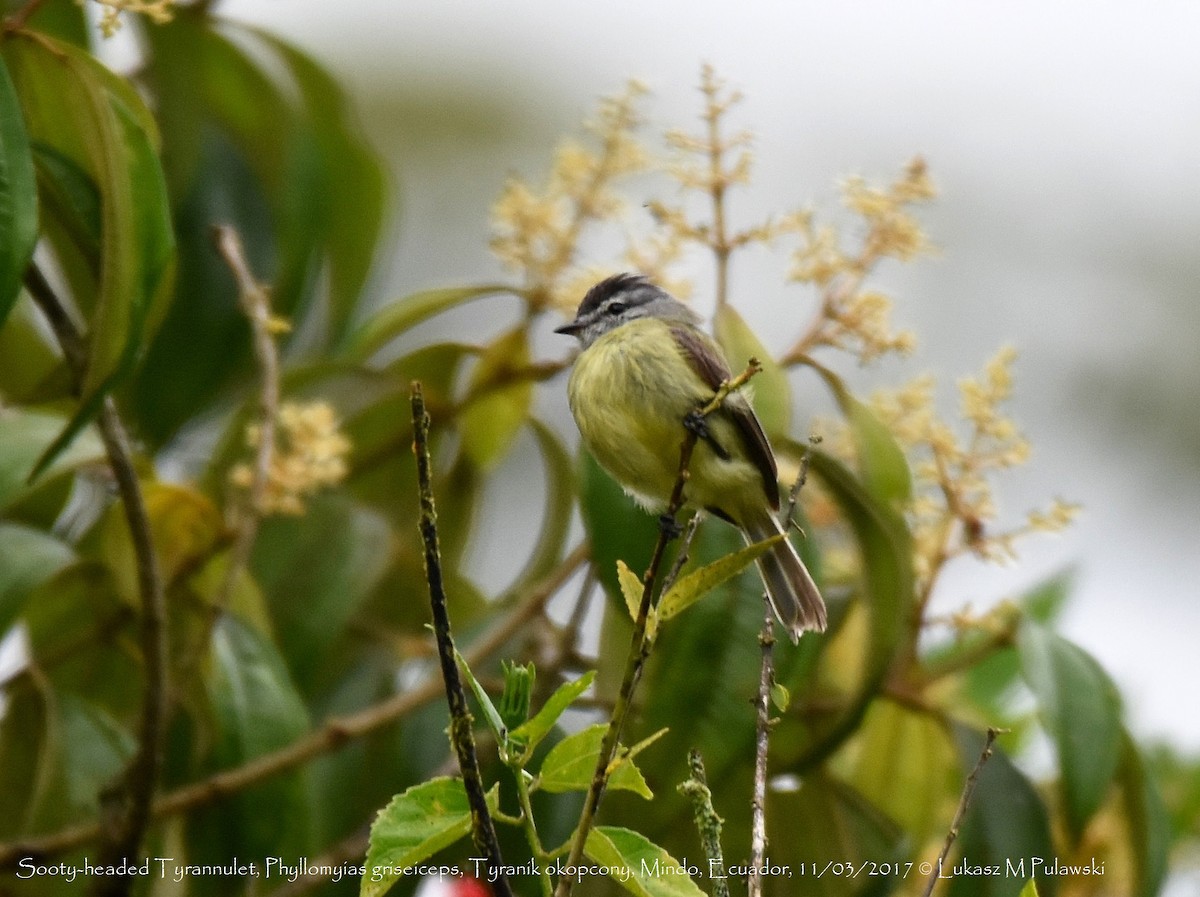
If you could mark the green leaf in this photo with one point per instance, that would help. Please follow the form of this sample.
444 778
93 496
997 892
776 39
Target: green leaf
558 477
1006 824
490 713
905 764
822 824
632 589
355 183
537 727
689 589
881 461
57 755
498 400
257 710
98 122
413 827
316 571
1030 889
398 317
617 529
570 764
640 866
770 390
1149 825
885 545
18 196
1081 711
28 557
24 435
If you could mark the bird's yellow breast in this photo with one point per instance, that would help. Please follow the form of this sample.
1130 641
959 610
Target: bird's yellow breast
629 392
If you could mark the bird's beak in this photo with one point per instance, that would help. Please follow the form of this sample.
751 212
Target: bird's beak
570 329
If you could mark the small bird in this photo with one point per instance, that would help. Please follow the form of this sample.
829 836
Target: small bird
646 366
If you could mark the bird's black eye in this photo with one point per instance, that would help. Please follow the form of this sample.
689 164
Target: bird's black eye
615 308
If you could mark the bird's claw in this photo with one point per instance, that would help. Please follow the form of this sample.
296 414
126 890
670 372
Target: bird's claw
670 526
695 424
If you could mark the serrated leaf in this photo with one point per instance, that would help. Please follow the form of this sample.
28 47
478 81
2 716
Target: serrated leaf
413 827
770 390
632 589
497 403
18 196
695 585
537 727
1080 709
570 764
398 317
645 868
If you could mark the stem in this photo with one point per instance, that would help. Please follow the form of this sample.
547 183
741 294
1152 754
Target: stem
762 732
963 803
134 792
335 733
255 301
708 823
718 184
483 830
531 834
762 702
639 648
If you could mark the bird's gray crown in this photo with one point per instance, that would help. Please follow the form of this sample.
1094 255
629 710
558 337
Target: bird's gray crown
619 299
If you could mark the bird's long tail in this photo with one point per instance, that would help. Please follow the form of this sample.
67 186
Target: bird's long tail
791 589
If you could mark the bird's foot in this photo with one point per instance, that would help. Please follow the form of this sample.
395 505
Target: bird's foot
670 527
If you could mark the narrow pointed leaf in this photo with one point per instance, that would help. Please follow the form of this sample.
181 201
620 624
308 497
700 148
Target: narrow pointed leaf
691 588
490 713
880 459
498 400
770 390
18 196
1080 709
398 317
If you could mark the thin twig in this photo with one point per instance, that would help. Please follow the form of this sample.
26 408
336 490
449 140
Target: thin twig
133 794
333 734
708 823
483 830
762 705
255 300
639 647
682 555
964 803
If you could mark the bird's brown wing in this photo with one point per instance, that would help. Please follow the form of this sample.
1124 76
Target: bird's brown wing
713 370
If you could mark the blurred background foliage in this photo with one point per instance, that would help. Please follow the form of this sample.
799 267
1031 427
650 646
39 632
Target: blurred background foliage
298 688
